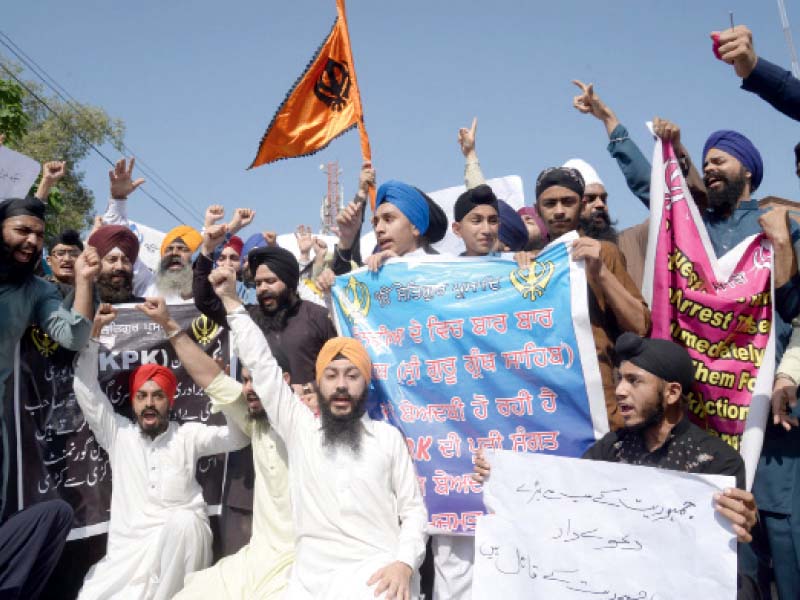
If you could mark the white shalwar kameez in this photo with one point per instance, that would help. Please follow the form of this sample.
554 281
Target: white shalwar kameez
158 528
260 570
353 514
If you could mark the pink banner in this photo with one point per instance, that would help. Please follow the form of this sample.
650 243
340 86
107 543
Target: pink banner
719 309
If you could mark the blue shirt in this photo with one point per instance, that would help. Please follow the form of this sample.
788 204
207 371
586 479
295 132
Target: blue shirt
775 85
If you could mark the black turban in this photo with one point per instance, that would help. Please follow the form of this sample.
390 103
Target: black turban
29 206
108 237
278 260
563 176
477 196
437 220
69 237
662 358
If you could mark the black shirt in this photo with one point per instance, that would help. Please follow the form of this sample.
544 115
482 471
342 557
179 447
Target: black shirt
688 448
306 331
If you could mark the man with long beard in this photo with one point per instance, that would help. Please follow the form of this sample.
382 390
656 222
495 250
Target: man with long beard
732 171
158 530
118 248
173 280
31 541
356 504
299 327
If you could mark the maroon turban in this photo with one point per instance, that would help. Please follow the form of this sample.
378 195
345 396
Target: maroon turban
108 237
236 243
161 375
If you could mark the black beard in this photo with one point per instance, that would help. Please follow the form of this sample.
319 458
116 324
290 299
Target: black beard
12 271
115 293
604 231
723 202
653 417
342 430
275 320
156 430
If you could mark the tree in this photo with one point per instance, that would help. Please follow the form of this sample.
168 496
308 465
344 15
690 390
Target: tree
67 133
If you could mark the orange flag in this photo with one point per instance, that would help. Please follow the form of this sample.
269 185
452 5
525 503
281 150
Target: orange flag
323 104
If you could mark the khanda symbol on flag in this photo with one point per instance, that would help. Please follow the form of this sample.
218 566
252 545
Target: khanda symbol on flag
323 104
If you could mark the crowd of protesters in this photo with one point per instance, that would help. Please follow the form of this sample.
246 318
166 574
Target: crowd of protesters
322 501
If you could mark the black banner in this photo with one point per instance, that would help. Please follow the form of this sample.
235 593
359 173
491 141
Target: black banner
57 454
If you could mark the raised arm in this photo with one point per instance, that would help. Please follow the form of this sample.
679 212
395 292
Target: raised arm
350 221
473 176
52 173
200 366
284 409
633 164
205 299
771 82
70 326
95 405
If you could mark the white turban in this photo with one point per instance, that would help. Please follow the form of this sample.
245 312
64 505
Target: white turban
586 170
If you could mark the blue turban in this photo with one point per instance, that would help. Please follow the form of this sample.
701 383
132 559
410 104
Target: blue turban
513 232
254 241
408 200
742 149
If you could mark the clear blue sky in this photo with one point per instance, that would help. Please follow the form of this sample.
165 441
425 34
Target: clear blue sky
197 82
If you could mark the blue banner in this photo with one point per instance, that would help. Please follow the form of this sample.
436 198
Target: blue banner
475 353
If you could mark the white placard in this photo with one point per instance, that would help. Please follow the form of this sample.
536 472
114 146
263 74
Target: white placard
17 173
569 528
149 244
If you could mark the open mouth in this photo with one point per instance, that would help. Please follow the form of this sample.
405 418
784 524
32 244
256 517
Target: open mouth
23 255
340 402
149 417
625 410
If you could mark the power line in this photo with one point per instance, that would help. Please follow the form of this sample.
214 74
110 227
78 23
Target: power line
71 102
79 134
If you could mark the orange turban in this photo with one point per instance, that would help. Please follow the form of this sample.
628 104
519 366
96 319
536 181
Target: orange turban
190 236
351 349
161 375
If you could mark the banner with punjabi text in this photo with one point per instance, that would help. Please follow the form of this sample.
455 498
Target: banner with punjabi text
719 308
476 353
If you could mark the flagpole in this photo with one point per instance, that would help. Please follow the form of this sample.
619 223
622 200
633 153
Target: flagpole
366 151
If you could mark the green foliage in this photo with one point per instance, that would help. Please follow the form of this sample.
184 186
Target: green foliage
13 120
66 135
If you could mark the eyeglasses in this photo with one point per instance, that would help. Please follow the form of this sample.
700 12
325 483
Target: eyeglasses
62 253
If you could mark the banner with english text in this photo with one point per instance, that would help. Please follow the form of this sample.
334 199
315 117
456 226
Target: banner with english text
476 353
719 308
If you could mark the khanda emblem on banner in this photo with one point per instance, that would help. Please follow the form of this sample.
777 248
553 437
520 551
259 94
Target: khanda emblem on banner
204 329
44 344
333 85
533 281
355 299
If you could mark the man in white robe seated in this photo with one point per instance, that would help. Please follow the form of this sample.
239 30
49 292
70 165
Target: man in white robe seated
259 570
358 512
158 528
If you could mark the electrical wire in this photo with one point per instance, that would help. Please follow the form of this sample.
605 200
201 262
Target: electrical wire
149 172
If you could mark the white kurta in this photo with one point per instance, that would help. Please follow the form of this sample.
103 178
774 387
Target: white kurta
353 514
260 570
158 529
